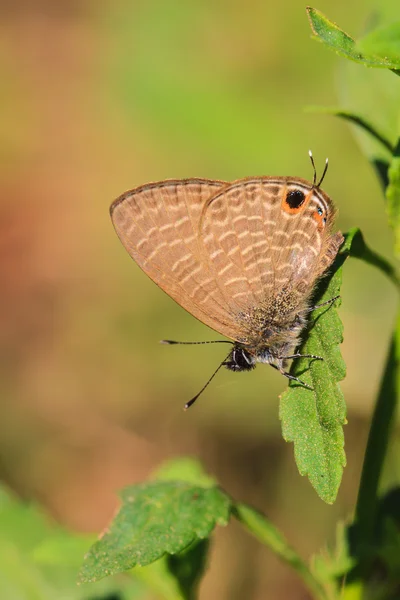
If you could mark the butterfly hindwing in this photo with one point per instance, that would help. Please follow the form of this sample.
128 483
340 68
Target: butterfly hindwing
259 246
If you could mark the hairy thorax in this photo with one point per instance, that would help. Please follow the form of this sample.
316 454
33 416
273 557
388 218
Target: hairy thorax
270 332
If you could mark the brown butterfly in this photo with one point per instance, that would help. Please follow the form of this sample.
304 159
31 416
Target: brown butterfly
242 257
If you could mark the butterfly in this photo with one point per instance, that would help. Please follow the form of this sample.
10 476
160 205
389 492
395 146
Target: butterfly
243 257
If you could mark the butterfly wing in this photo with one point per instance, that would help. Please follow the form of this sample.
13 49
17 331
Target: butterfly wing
158 224
261 248
220 249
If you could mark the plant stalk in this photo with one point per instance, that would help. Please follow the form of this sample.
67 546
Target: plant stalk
381 426
270 536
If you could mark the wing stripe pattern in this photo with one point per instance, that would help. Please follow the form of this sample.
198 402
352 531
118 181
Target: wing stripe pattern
222 250
158 225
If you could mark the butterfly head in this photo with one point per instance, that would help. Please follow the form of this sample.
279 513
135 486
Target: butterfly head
240 359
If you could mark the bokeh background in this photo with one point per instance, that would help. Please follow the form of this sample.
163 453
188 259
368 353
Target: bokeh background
99 96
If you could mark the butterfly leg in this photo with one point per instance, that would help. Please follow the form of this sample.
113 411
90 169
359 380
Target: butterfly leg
312 308
291 377
301 356
171 342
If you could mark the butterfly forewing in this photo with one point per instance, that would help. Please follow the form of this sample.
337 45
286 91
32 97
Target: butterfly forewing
158 224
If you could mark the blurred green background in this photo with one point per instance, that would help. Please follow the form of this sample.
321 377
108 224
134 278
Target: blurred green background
98 97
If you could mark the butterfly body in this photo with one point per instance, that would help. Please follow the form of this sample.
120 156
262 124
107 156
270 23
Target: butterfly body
242 257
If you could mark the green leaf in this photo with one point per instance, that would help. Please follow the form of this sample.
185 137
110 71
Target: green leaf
393 196
368 570
383 43
342 563
336 39
313 418
156 518
329 565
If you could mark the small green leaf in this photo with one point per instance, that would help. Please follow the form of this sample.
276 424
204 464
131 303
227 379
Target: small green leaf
313 418
393 197
335 38
384 43
331 564
156 518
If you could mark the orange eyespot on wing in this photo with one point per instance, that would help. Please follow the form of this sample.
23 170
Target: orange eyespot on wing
294 201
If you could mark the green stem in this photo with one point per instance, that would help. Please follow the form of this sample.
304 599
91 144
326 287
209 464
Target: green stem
377 444
268 535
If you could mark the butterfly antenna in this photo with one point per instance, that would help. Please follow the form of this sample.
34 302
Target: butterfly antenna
315 184
323 174
313 166
171 342
193 400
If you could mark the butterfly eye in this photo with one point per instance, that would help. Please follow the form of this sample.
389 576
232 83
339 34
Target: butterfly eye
295 199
